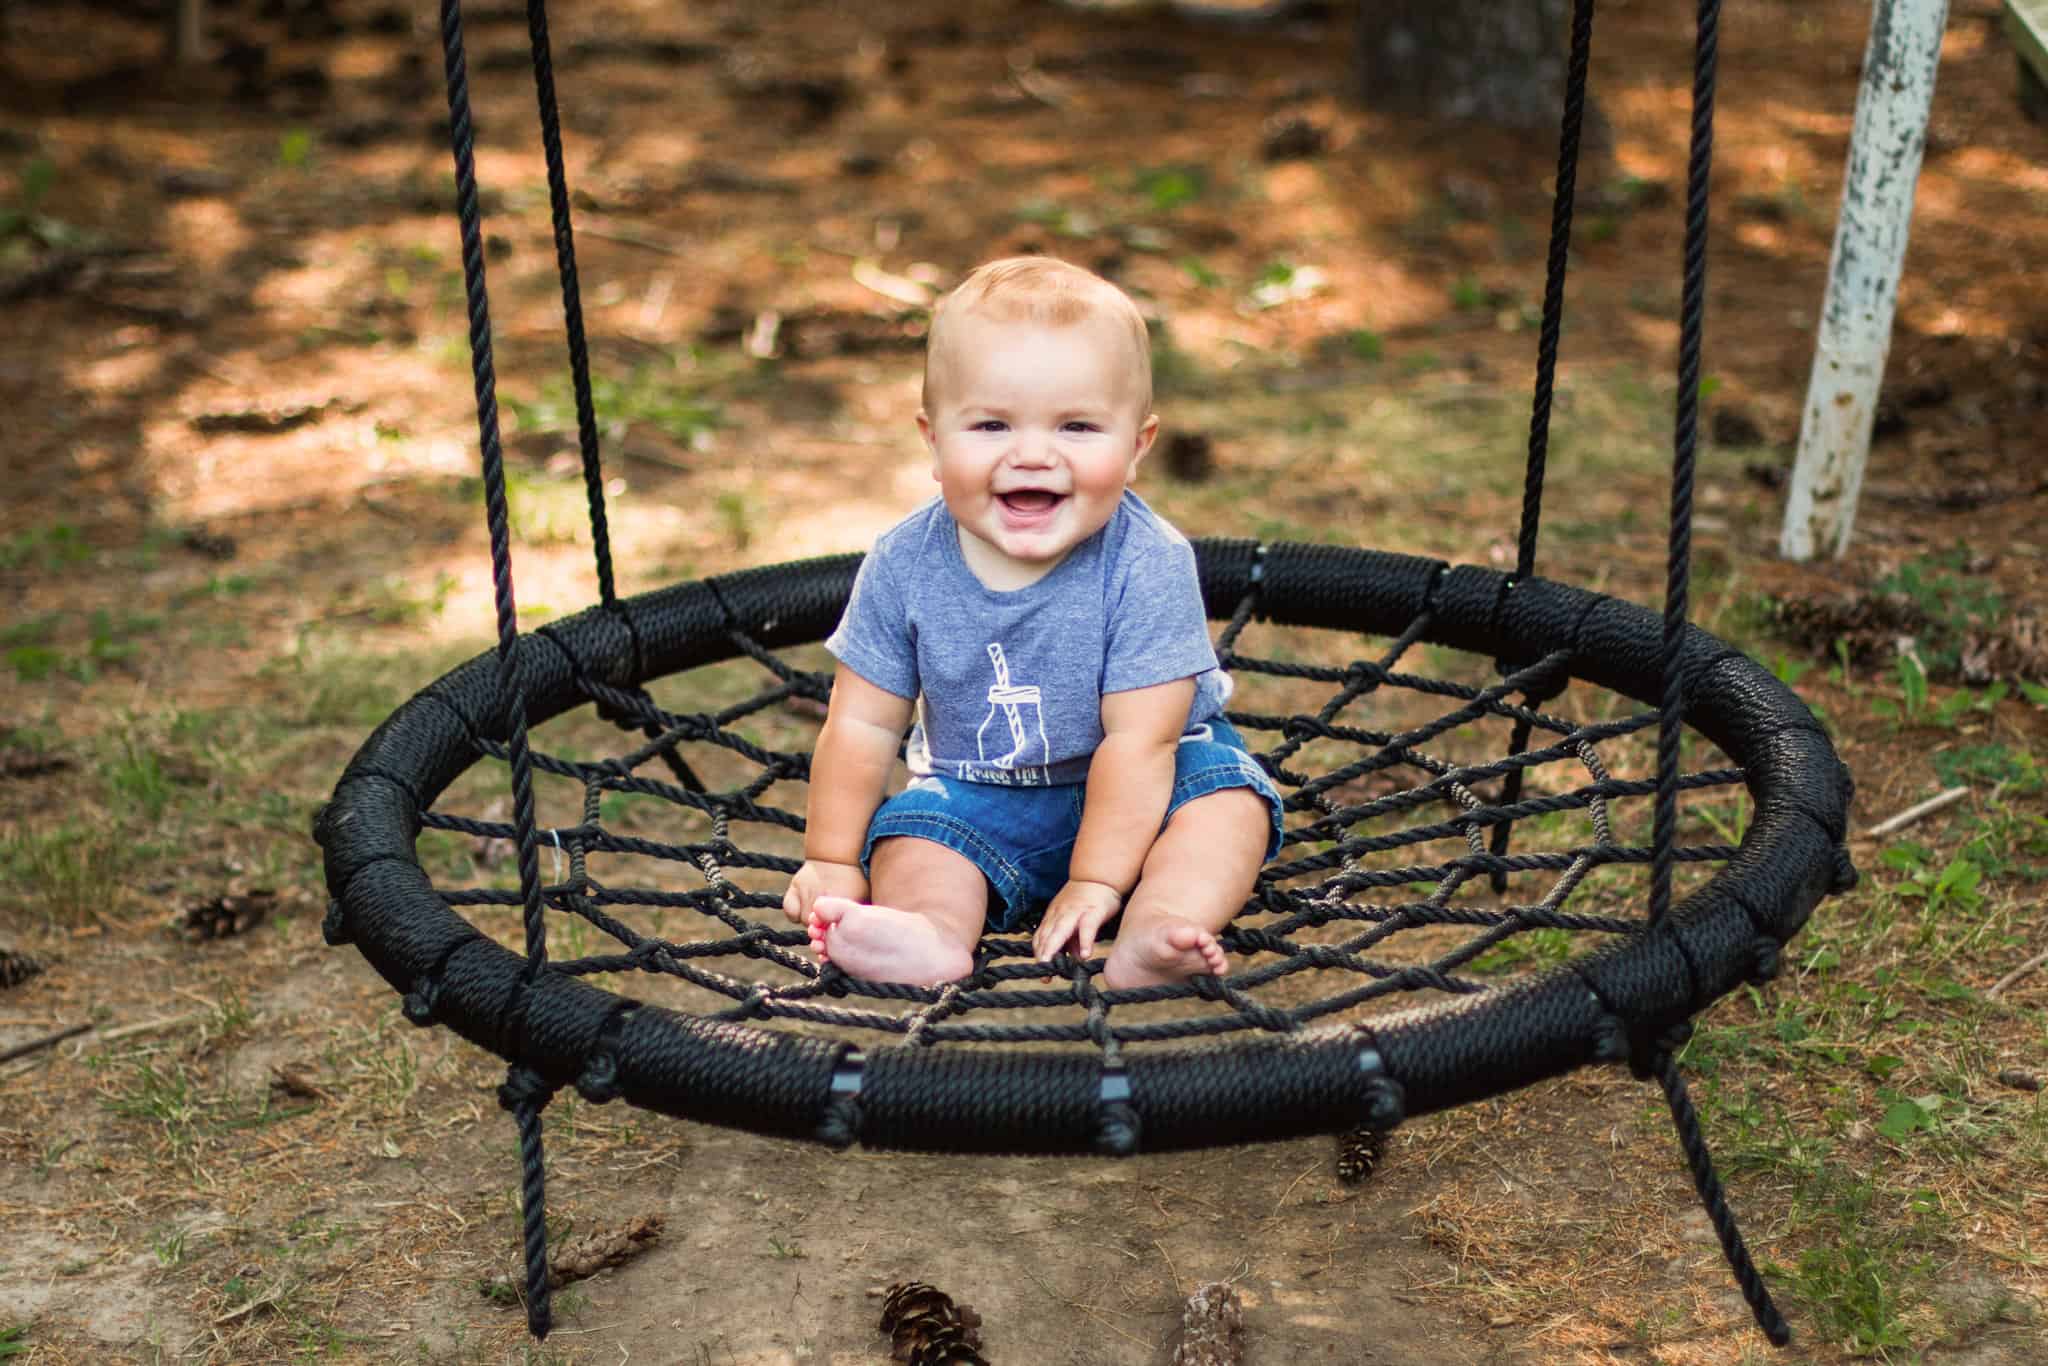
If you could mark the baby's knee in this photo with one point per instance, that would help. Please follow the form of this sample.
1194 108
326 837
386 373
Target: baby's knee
915 874
1224 810
1243 801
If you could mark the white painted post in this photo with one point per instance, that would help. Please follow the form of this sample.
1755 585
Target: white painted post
1863 274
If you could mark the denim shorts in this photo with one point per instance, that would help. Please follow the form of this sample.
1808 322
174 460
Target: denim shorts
1022 837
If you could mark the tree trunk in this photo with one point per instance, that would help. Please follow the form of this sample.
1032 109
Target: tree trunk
185 32
1490 61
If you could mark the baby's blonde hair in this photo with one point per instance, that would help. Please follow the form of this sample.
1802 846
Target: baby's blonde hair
1045 291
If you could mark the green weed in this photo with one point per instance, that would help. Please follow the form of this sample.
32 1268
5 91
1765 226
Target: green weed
1785 202
35 181
1173 370
218 586
109 642
1952 605
23 224
1958 911
650 395
1169 187
1753 1131
497 1290
348 690
49 548
231 1013
1538 948
166 1097
2017 771
735 520
393 600
36 631
543 510
1056 218
383 1063
138 779
33 663
169 1247
1788 670
1856 1294
1284 282
1918 705
70 873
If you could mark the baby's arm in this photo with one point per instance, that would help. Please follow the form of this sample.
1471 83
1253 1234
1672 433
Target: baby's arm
1130 782
849 771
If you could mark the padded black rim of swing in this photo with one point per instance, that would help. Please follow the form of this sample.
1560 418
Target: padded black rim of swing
1613 1004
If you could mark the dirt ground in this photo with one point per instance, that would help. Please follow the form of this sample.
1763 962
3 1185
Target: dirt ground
241 525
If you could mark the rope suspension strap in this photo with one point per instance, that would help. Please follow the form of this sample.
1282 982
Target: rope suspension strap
1553 282
1685 434
1546 355
1678 568
524 1101
572 296
1687 1121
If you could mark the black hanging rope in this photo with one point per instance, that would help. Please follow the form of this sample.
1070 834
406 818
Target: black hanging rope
496 514
1553 283
525 1094
572 296
1678 568
1546 349
461 135
1687 1121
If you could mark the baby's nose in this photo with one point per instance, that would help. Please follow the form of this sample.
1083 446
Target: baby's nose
1032 448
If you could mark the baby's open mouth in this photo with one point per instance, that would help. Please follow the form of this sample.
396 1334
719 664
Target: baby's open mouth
1028 501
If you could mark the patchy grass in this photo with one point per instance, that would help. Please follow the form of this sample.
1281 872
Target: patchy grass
1864 1103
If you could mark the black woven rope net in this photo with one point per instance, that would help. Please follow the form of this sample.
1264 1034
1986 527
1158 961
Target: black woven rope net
1375 973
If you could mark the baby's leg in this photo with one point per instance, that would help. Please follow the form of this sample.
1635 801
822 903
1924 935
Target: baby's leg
1196 878
922 929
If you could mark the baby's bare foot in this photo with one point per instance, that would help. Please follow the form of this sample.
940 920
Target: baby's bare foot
1166 949
882 944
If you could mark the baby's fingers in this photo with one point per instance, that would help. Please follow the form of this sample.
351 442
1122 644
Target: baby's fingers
1053 933
1085 933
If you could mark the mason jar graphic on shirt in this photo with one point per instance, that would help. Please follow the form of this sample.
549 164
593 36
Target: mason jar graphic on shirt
1013 732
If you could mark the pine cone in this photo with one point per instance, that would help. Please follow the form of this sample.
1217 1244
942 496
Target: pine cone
926 1328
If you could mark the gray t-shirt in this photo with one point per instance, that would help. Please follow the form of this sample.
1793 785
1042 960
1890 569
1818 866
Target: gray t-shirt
1010 684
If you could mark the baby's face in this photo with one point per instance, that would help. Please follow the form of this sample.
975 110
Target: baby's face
1034 432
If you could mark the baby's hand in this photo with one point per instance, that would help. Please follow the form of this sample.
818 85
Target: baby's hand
818 878
1081 909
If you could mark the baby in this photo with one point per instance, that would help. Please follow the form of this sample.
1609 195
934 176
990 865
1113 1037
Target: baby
1070 760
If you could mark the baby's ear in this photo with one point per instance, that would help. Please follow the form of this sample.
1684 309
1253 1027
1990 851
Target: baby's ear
1148 430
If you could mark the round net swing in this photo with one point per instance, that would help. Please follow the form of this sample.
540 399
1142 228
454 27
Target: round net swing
1484 880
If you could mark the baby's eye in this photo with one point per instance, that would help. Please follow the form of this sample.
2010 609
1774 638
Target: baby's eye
1077 425
989 424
